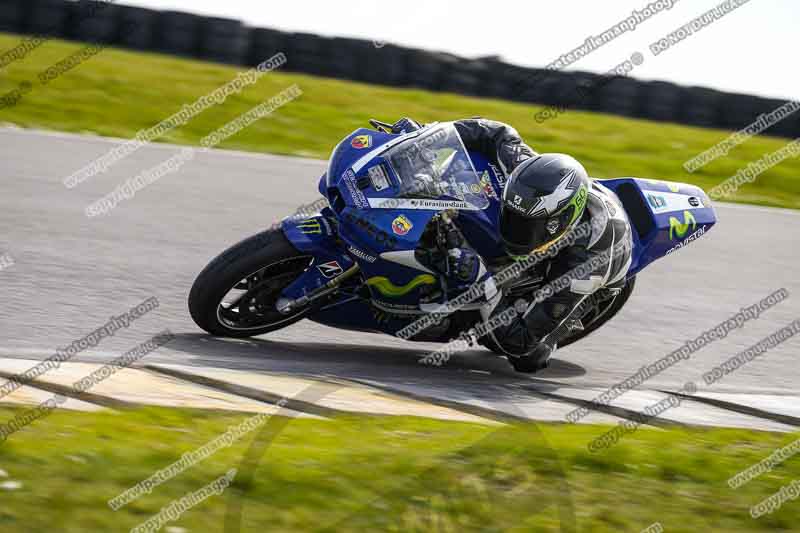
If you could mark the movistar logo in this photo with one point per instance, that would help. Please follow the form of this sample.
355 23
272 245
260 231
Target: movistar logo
387 288
676 227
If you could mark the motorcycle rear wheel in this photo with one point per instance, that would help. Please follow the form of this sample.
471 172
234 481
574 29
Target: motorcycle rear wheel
598 318
235 295
594 320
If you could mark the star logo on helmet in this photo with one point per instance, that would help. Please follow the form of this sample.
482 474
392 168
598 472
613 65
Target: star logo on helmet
556 201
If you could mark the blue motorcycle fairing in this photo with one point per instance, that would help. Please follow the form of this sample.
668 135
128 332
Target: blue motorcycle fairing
358 178
481 227
315 236
354 147
664 216
371 234
398 285
378 235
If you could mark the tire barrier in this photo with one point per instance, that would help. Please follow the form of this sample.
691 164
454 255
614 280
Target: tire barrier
537 86
662 101
620 96
141 27
583 91
457 76
788 128
308 53
224 41
344 61
495 85
47 17
701 107
739 110
94 22
229 41
12 16
178 34
425 70
265 43
386 65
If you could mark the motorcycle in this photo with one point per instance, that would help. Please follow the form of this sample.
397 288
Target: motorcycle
355 266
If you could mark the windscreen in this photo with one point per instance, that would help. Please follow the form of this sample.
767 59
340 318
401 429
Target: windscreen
435 165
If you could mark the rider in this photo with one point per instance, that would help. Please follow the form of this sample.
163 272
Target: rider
545 197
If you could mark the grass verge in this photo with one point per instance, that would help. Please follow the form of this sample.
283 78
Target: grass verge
385 474
117 93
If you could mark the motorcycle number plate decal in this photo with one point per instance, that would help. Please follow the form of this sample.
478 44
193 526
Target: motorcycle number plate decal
331 269
379 178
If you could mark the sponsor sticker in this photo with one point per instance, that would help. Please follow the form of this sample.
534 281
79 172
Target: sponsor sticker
517 204
401 225
691 238
501 178
666 202
379 178
361 142
656 201
362 254
311 226
358 197
488 188
419 204
678 229
331 269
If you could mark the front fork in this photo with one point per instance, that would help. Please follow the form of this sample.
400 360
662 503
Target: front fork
287 306
316 236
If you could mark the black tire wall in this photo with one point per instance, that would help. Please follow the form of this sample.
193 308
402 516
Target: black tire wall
230 42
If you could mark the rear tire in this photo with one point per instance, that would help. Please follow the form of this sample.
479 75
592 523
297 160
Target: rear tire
593 325
616 306
263 265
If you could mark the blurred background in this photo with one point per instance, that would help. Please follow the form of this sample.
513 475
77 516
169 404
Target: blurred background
471 48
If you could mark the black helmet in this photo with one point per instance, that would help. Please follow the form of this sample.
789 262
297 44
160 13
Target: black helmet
545 197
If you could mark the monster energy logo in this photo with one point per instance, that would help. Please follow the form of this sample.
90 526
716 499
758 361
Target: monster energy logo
676 227
310 227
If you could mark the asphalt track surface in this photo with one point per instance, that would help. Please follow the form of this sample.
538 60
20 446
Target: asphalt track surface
72 273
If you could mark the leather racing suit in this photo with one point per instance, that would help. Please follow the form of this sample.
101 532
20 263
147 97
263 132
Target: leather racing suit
609 244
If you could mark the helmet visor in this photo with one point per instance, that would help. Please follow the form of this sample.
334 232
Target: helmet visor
522 235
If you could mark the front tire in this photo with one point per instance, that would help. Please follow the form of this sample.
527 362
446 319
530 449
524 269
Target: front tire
259 268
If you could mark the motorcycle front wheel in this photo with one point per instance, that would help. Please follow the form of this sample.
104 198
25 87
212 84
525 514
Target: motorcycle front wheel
235 295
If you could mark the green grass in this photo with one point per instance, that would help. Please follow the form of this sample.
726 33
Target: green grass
386 474
117 93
